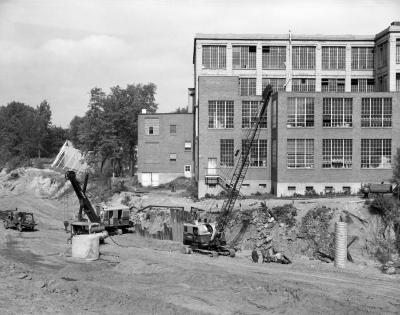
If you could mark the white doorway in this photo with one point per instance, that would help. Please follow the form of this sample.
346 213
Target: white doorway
188 171
150 179
212 166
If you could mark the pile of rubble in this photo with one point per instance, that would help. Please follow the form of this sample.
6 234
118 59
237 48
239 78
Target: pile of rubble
391 268
314 230
266 230
276 230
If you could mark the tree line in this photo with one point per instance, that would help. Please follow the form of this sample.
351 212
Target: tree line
27 132
108 129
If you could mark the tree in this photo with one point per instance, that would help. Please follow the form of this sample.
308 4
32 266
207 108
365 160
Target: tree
73 134
43 122
27 132
183 110
109 127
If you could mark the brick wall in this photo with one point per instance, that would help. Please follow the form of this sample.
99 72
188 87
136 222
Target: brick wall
318 175
154 150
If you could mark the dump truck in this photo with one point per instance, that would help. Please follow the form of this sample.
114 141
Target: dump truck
20 220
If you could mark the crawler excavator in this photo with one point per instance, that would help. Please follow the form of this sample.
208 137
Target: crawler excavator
106 218
210 237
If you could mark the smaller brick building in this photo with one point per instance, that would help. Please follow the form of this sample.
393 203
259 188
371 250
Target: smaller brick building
165 147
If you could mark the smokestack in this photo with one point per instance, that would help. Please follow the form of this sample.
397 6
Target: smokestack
191 95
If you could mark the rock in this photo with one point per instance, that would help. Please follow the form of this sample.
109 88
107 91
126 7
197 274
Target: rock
40 284
28 277
22 276
390 271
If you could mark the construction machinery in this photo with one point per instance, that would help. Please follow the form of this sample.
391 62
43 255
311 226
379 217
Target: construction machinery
377 189
105 218
203 236
20 220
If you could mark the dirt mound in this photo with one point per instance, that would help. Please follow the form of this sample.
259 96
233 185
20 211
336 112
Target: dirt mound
44 183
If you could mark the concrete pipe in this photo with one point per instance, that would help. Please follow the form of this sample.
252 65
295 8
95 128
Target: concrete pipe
340 244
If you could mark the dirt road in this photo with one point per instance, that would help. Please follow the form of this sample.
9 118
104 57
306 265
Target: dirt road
150 279
38 276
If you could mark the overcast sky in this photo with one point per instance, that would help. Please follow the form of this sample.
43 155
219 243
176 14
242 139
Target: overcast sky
59 50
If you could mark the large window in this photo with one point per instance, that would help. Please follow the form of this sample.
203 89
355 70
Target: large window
376 112
152 126
300 112
226 152
258 152
397 50
220 114
278 84
303 85
337 112
332 85
250 110
273 57
376 153
300 153
362 58
362 85
214 57
382 54
303 57
333 58
244 57
247 86
337 153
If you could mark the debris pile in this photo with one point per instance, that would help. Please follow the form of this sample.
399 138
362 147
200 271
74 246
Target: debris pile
314 230
391 268
266 230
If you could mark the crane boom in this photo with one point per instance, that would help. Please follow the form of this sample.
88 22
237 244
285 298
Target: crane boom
242 165
84 202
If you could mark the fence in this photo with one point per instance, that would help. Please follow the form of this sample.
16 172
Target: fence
174 232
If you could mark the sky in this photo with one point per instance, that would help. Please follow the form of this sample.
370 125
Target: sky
59 50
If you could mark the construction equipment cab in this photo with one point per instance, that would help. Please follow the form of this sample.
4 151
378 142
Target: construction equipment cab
115 216
198 234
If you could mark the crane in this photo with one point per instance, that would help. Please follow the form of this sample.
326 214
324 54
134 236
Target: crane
84 203
111 218
212 236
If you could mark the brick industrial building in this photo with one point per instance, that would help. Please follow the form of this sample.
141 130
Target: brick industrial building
332 125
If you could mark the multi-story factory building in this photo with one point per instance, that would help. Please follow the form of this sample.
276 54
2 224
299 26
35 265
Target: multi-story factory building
333 123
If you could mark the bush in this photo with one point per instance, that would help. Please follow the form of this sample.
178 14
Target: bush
16 162
282 214
389 212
